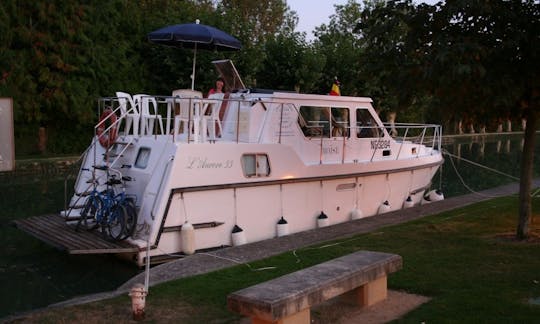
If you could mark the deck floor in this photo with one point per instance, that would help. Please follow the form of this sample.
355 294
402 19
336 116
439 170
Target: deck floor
53 230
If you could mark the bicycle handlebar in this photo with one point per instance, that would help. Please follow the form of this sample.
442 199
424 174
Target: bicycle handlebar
113 180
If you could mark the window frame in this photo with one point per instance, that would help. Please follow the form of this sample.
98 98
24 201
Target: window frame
375 129
146 159
256 168
326 122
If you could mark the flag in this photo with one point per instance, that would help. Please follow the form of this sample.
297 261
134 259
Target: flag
335 88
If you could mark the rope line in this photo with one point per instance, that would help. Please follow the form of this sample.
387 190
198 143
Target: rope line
239 262
463 181
476 164
480 165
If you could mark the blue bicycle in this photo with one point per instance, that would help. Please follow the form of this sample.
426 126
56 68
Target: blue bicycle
122 199
106 210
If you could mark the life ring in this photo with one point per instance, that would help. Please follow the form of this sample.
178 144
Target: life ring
107 139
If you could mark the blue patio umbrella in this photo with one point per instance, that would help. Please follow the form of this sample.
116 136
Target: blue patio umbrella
195 36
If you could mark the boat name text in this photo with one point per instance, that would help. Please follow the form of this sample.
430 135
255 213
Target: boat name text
203 163
330 150
384 144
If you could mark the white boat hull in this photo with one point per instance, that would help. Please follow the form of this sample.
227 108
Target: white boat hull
211 184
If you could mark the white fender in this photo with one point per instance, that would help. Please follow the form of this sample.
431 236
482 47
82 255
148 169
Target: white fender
322 220
238 236
187 233
384 207
433 195
356 214
282 227
408 203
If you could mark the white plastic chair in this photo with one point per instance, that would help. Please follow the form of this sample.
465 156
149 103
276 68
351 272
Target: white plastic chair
187 116
129 111
212 117
187 93
148 119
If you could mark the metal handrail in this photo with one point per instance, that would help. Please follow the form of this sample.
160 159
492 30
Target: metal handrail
421 134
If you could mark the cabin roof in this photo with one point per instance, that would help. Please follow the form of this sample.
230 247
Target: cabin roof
318 97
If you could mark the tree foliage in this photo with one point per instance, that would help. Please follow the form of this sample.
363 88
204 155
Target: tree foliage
342 49
474 58
290 64
389 68
56 59
253 23
478 54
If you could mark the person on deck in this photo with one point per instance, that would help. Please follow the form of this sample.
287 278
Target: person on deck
219 88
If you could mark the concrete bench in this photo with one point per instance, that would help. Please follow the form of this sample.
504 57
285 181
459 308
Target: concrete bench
360 276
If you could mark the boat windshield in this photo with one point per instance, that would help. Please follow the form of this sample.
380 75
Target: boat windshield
229 74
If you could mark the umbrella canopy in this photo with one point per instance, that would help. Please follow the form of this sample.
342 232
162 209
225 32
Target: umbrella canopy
195 36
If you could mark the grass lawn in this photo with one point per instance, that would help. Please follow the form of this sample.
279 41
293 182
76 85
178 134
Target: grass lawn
466 260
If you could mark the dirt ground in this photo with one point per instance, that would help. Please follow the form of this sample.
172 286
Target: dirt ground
393 307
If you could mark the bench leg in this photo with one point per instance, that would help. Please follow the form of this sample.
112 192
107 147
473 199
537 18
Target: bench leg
368 294
302 317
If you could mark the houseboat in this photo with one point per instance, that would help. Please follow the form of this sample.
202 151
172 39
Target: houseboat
249 165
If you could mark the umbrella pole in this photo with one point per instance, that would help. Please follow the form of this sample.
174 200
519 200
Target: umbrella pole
194 63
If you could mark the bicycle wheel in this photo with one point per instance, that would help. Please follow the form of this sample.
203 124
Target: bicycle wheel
89 212
115 225
131 217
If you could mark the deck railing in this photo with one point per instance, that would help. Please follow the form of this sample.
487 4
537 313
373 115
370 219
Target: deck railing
168 110
428 135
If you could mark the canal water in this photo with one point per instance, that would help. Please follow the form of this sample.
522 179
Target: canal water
497 158
33 274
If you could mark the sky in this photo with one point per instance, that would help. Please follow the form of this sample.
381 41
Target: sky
313 13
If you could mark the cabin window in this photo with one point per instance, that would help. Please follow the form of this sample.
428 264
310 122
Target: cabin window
324 121
366 126
255 165
143 156
340 122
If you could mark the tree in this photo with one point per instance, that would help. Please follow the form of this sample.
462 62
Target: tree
56 60
390 69
290 64
480 57
253 23
494 47
342 49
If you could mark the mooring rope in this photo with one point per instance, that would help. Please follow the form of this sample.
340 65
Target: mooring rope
238 262
476 164
480 165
